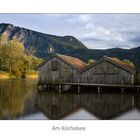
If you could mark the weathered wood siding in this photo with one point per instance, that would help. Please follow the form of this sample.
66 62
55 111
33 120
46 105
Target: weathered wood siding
57 71
106 73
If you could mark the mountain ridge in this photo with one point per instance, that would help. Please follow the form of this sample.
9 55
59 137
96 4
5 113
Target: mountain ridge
41 41
129 54
67 45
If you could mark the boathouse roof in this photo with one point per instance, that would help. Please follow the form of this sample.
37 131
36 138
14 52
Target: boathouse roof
72 61
115 61
121 62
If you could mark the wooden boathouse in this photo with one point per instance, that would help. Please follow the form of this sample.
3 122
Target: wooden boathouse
60 68
108 70
59 71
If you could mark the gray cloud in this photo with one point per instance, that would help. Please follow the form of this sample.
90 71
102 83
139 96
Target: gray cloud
94 30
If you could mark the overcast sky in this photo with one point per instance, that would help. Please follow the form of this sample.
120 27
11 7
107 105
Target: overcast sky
94 30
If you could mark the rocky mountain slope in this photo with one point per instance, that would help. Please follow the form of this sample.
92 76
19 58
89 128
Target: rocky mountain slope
41 42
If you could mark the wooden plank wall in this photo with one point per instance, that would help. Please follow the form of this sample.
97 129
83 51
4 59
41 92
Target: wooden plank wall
106 73
64 72
102 73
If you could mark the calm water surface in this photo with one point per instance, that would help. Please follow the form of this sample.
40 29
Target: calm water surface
19 99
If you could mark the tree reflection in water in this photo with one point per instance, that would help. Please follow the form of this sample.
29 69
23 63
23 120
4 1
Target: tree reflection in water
14 94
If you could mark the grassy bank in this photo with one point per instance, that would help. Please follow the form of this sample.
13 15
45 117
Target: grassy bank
28 74
31 74
4 75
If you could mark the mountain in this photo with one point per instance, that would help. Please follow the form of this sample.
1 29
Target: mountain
130 54
68 45
40 41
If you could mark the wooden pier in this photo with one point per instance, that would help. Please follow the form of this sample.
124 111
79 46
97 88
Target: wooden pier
99 87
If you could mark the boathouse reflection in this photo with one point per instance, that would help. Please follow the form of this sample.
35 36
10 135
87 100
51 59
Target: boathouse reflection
103 106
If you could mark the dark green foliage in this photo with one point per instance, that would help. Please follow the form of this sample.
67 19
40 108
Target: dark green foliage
129 63
132 55
90 61
4 68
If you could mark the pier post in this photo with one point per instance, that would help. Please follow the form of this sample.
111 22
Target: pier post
48 87
133 102
60 89
78 89
137 90
122 89
45 87
99 91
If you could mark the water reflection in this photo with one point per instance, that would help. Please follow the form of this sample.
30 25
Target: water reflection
104 106
19 98
16 96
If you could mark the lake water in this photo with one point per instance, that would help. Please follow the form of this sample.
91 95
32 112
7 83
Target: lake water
20 100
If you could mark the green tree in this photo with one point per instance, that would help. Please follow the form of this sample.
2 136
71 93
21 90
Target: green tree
30 51
91 61
3 44
3 39
128 62
13 58
36 61
11 52
14 53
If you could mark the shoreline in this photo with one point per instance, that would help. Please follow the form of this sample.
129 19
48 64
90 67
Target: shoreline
4 75
31 76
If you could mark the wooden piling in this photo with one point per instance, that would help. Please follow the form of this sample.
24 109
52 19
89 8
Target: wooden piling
137 90
60 88
122 90
99 89
78 89
48 87
133 101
